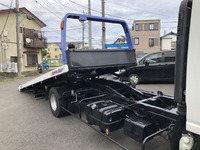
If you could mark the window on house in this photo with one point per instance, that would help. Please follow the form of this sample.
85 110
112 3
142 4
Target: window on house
32 59
136 40
138 27
60 56
133 27
13 59
173 45
57 49
153 26
153 42
56 56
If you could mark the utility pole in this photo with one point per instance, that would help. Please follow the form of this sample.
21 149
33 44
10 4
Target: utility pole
17 38
83 38
103 25
89 26
1 53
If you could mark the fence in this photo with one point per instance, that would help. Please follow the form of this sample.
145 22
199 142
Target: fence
9 67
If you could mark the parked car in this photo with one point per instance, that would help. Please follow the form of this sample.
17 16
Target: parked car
152 67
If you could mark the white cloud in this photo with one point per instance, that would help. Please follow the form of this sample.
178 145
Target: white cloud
51 12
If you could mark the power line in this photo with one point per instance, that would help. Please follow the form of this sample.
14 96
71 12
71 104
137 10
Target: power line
7 18
48 4
72 5
100 11
48 10
127 6
55 30
63 6
4 5
52 12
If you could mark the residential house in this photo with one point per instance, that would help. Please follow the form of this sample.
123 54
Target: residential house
146 35
31 40
54 49
168 41
120 40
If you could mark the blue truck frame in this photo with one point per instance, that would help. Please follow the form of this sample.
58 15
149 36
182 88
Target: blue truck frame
82 17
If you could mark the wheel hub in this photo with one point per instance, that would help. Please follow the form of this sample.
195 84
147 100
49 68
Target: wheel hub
53 102
134 79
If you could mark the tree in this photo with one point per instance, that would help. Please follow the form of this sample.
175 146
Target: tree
44 53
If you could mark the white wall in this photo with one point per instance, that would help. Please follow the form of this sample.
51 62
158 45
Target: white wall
166 42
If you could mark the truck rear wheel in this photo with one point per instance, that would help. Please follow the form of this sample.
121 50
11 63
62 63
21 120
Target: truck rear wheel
56 104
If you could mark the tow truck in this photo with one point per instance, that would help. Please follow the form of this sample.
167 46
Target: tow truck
77 87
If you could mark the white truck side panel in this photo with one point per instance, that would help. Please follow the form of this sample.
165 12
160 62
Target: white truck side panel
56 72
193 72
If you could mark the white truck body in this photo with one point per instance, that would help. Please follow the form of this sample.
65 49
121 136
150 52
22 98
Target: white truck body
54 73
193 73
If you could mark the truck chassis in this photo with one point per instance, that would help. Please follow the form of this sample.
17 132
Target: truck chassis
142 114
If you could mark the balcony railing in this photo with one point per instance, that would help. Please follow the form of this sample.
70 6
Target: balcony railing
34 39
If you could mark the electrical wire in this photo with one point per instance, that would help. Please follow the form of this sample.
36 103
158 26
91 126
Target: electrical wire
100 11
127 6
4 5
7 18
48 9
52 11
74 7
118 16
64 8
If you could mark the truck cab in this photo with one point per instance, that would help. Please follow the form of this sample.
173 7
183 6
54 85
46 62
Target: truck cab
187 128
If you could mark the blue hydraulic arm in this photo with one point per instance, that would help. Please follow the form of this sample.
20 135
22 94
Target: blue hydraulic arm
82 17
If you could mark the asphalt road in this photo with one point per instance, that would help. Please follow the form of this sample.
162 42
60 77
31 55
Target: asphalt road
26 123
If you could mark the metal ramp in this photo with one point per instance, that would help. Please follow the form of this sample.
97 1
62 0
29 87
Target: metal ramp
44 78
87 62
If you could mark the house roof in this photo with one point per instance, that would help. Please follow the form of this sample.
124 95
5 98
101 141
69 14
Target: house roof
170 33
147 20
118 40
122 39
26 11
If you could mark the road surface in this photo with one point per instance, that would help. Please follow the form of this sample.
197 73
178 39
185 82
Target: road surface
26 123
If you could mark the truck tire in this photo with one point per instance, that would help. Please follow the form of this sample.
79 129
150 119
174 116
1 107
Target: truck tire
56 104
